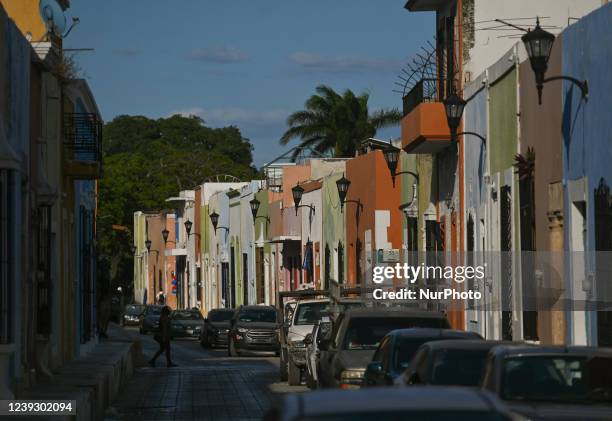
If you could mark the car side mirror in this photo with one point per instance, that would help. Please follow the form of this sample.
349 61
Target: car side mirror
375 367
308 339
323 344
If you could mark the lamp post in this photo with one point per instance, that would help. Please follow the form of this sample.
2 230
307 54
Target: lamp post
297 191
454 106
343 185
538 44
148 244
214 219
254 204
391 155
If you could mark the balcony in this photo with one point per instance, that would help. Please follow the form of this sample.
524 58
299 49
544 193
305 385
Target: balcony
82 145
424 126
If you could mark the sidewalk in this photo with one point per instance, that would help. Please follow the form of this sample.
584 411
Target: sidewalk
94 379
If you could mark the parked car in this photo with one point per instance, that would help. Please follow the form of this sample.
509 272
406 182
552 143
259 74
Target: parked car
320 330
552 382
293 349
133 314
186 323
449 363
356 336
397 348
254 328
391 404
216 327
150 321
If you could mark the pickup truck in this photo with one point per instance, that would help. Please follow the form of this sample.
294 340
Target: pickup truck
356 335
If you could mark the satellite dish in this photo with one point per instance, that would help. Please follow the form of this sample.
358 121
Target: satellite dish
53 16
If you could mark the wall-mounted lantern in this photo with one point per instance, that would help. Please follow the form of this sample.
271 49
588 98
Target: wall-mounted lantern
254 204
297 191
454 106
214 219
343 185
391 155
538 44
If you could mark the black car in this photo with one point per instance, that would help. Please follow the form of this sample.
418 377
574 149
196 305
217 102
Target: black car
254 328
396 350
186 323
356 335
449 363
133 314
216 327
150 321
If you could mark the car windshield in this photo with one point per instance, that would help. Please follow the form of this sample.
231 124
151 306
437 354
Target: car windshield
557 378
265 316
367 332
154 311
401 415
186 315
220 316
310 313
458 367
134 309
405 349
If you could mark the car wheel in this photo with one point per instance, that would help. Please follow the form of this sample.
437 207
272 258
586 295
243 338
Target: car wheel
294 373
232 349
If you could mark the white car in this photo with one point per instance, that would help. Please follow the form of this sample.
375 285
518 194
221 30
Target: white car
306 314
390 404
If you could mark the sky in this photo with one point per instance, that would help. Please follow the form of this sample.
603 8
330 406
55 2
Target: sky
244 63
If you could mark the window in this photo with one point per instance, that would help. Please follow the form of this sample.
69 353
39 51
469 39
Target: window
340 263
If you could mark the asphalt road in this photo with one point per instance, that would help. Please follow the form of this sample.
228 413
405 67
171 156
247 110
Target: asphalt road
206 385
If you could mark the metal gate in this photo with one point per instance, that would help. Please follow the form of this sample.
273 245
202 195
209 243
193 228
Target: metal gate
506 260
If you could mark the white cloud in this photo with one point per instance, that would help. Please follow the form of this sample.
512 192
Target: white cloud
343 64
235 115
218 54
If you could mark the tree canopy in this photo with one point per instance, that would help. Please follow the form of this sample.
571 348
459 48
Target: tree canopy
334 123
146 161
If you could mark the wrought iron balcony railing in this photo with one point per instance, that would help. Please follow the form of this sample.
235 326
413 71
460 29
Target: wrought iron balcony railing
425 90
83 136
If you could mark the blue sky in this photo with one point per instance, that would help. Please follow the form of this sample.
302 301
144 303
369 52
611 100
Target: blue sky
248 63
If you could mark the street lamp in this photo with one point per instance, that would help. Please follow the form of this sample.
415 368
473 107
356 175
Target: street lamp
148 244
538 44
454 106
214 219
391 155
297 191
343 185
255 208
188 224
165 234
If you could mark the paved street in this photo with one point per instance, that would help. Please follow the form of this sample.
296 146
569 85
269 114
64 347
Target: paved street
206 385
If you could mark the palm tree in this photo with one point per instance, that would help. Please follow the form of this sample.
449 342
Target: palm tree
334 123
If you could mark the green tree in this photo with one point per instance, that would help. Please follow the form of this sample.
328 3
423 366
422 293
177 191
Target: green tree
146 161
334 123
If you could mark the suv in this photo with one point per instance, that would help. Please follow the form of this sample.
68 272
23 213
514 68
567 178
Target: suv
293 349
254 328
357 334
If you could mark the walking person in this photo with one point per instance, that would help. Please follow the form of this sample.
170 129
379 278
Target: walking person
163 337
